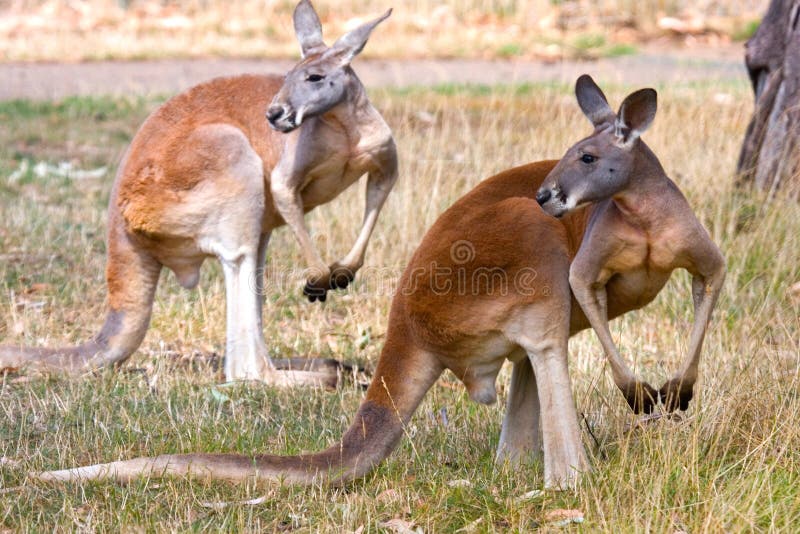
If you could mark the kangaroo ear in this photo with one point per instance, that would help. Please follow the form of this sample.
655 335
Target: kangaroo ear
308 29
350 44
593 102
636 114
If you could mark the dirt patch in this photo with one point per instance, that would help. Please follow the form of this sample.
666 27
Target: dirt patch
48 81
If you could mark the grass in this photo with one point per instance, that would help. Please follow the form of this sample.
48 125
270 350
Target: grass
731 463
36 30
745 29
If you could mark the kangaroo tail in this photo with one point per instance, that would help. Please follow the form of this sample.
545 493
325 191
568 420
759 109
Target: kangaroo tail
400 382
132 276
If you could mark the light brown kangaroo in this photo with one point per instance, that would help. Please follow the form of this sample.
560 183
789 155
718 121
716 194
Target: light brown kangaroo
206 176
491 281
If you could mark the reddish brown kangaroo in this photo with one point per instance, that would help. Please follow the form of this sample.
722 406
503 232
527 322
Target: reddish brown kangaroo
206 176
491 281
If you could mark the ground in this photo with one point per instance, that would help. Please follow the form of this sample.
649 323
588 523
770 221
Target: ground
654 65
728 464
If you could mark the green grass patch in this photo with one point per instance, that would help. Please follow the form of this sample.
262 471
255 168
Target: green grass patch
729 464
510 50
746 30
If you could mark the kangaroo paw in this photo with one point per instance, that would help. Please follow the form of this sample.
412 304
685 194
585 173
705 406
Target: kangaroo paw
316 290
341 276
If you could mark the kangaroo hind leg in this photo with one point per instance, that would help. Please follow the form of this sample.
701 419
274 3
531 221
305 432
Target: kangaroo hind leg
543 332
520 437
230 208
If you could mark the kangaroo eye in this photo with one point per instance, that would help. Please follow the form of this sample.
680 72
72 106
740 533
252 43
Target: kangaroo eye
315 78
588 158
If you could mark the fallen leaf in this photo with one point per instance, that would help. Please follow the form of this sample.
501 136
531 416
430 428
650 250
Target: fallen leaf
399 526
562 517
218 396
460 483
219 505
529 496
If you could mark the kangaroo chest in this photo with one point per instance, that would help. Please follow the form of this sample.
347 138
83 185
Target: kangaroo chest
342 164
638 270
635 288
330 177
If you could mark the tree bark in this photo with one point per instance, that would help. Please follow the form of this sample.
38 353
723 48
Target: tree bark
770 155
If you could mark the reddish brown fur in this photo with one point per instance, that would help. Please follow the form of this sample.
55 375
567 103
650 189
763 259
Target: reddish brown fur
169 160
160 168
208 175
611 257
428 331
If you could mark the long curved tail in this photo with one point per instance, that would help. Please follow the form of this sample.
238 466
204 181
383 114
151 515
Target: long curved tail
132 276
401 380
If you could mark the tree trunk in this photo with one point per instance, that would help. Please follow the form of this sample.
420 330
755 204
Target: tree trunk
770 156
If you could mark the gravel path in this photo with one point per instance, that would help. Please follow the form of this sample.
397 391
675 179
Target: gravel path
46 81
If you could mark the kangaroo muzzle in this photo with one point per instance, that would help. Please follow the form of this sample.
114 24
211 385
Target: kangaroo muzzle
553 201
282 117
543 195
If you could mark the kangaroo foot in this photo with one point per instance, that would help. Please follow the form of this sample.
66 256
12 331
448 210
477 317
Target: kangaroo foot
341 276
676 393
641 397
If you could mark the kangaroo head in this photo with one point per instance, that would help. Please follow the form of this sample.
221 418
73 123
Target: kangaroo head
322 78
601 165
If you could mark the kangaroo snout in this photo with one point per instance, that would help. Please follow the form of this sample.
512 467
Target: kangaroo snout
282 117
274 112
553 200
543 195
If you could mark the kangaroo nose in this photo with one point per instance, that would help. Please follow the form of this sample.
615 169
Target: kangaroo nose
543 196
274 112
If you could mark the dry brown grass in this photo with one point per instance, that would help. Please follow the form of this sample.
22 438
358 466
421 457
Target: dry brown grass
730 464
100 29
